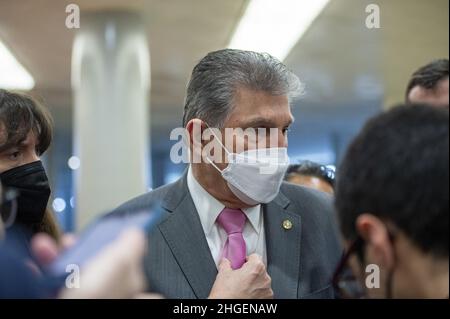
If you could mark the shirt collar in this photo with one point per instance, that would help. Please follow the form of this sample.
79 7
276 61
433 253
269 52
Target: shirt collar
209 208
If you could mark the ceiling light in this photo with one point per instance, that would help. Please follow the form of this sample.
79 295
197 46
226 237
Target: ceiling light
12 74
275 26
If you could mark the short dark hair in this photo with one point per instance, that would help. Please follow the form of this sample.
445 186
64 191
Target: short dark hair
428 76
308 168
397 169
20 114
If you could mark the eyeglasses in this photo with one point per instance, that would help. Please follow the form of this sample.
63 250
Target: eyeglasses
346 285
8 207
328 173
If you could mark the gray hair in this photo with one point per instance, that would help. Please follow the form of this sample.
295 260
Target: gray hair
214 80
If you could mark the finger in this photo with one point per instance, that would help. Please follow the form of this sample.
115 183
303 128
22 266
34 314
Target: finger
224 265
254 258
120 259
269 294
133 237
44 248
68 241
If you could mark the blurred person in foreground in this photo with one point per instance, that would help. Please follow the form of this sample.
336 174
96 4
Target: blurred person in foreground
392 199
230 230
116 272
429 85
311 175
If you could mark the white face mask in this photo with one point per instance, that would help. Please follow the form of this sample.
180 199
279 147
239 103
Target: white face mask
255 176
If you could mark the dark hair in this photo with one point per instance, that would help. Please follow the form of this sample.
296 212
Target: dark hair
20 114
308 168
397 170
428 76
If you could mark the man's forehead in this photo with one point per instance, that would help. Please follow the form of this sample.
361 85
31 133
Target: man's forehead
435 96
258 97
259 108
266 120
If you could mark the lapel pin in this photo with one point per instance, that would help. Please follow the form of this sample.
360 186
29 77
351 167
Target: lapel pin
287 224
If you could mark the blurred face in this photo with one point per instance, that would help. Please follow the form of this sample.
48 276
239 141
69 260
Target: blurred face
436 97
22 153
311 182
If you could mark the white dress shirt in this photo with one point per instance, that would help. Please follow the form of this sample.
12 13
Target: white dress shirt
209 208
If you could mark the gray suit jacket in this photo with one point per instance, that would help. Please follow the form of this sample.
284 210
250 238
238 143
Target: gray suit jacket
301 260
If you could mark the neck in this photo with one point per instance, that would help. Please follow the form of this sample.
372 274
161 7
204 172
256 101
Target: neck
211 180
433 282
428 274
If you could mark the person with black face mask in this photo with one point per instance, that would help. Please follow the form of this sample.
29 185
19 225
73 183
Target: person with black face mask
25 134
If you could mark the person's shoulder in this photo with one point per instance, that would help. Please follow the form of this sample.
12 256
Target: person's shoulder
313 205
146 200
317 211
307 197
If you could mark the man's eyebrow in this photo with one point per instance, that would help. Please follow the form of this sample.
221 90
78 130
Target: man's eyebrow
258 122
263 122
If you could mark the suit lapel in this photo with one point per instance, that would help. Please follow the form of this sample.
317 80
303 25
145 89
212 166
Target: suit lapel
283 246
184 234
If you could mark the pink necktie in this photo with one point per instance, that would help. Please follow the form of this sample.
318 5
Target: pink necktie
233 222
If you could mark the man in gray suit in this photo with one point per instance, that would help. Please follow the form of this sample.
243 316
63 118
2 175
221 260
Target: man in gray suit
230 230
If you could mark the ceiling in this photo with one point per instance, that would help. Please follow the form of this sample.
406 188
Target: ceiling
179 34
339 59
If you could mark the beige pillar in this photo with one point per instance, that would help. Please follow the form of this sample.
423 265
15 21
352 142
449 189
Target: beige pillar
111 82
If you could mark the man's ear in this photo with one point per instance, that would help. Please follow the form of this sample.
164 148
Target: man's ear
194 127
194 130
379 248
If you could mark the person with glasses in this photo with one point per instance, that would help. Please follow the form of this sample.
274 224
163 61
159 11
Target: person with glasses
311 175
392 200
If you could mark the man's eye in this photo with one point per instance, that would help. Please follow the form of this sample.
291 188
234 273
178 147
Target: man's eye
286 130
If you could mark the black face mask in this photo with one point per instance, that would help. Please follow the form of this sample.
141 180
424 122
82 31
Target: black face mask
32 185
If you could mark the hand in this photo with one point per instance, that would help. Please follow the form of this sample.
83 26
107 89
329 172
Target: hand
251 281
46 250
117 272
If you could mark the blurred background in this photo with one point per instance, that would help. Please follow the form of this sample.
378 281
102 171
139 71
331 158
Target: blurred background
115 83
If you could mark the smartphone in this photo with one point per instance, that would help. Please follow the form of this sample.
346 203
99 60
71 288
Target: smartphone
102 232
